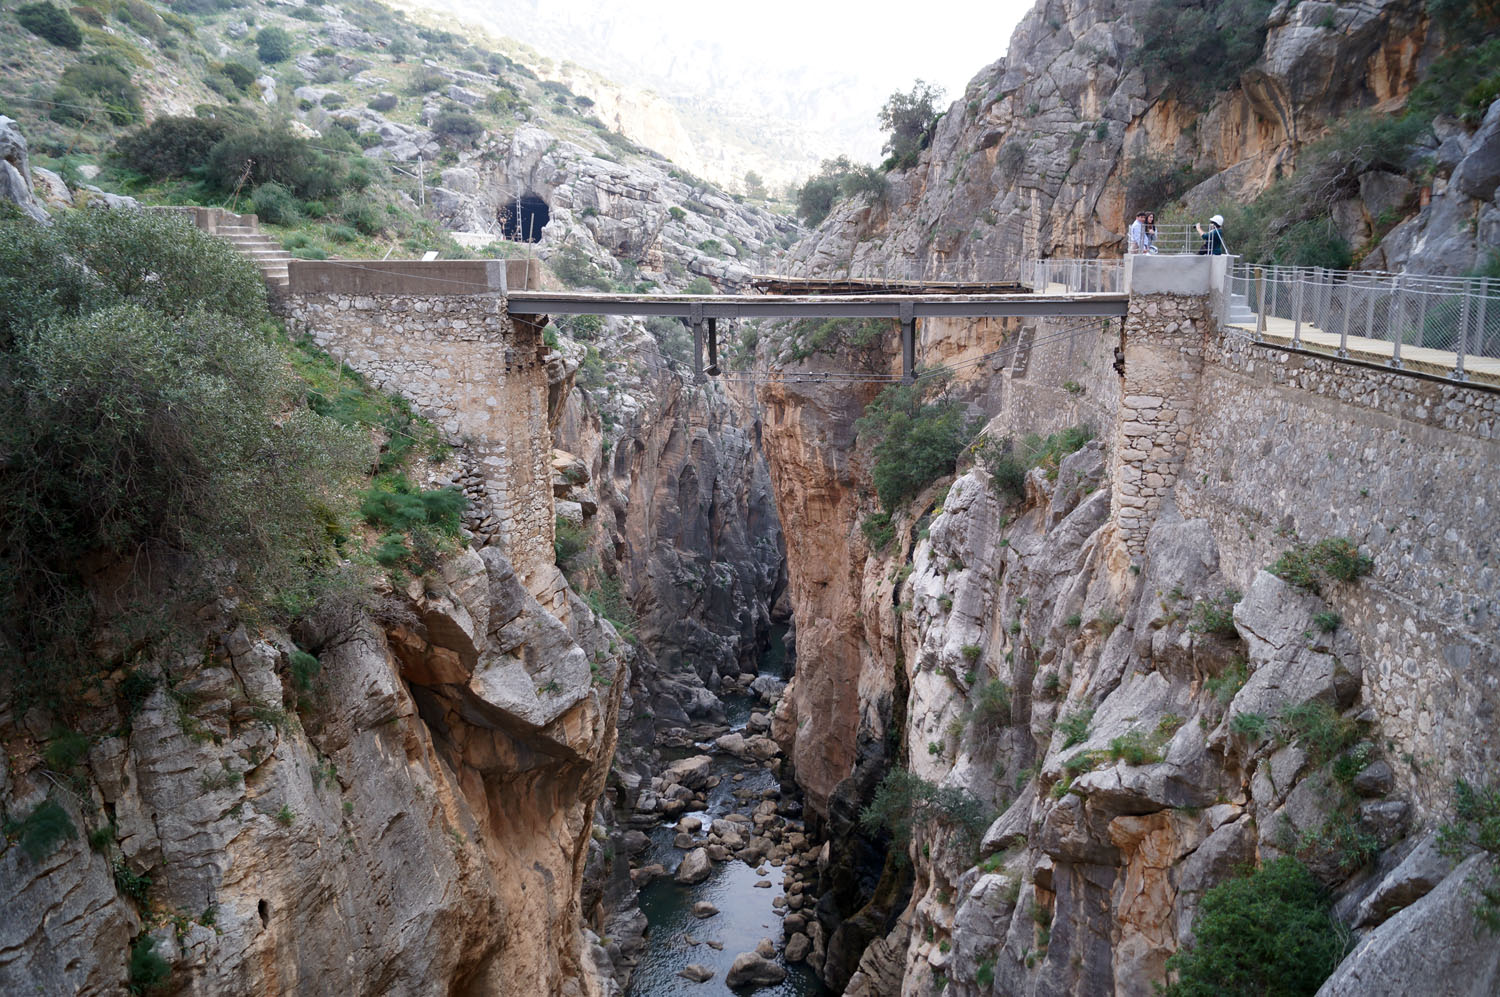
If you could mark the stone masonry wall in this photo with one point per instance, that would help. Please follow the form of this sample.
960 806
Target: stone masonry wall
461 362
1298 446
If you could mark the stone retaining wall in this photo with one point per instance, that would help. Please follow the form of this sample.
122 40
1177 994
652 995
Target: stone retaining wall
461 362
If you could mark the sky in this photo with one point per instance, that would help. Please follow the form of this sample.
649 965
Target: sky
828 67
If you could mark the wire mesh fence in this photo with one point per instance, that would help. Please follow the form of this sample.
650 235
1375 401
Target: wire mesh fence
1078 276
1437 324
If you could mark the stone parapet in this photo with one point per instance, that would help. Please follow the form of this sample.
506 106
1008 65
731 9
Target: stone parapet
431 278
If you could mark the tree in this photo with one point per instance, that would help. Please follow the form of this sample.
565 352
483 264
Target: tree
910 119
273 45
754 186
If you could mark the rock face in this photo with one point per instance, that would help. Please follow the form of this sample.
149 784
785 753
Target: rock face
395 799
15 171
1034 158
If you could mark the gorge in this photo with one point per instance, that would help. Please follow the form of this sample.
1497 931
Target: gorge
799 679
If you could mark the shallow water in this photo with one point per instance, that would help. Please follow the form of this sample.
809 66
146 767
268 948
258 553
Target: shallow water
745 912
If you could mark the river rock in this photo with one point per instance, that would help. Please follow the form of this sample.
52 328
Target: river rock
750 969
704 909
716 946
719 853
692 772
766 949
761 884
646 873
634 842
733 744
797 946
690 825
684 841
695 867
696 972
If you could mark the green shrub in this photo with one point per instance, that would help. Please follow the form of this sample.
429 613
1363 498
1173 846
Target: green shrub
274 154
904 802
1476 825
1075 726
568 541
574 268
1008 461
149 972
305 668
1216 616
1195 49
1319 728
912 442
878 530
1270 932
383 102
426 82
699 285
1251 726
273 45
458 127
103 78
275 204
42 830
1228 683
136 886
992 704
50 23
816 198
66 749
1327 621
1308 566
238 74
362 213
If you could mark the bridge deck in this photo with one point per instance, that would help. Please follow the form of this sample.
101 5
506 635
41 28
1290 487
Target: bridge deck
716 306
767 284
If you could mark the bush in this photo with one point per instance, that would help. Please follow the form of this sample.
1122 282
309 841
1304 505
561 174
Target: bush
913 443
568 541
362 213
170 146
103 78
1008 461
1194 49
904 801
238 74
383 102
275 204
50 23
992 705
574 268
1075 726
458 127
148 971
275 154
305 668
878 530
426 82
1216 616
42 830
273 45
1309 566
155 432
1268 932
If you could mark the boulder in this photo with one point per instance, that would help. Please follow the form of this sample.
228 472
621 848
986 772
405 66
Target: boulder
750 969
692 772
696 972
733 744
1415 877
797 947
1479 174
766 949
703 909
695 867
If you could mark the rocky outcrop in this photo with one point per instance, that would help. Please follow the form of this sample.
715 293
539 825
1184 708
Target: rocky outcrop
15 171
1034 158
431 785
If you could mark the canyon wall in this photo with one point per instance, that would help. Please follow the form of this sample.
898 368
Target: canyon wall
1086 603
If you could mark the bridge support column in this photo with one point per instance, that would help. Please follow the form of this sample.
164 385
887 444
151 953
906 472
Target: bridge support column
908 342
712 370
1169 326
695 317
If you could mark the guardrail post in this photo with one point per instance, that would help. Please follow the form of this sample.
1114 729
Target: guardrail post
1370 312
1398 330
1260 303
1297 310
1482 347
1421 315
1463 334
1344 325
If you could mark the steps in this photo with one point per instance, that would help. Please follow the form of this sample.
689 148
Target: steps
262 249
1240 312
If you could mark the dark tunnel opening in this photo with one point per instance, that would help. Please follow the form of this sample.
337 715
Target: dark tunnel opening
522 219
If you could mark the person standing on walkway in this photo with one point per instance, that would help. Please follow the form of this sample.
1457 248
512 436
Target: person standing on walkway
1137 233
1213 239
1148 243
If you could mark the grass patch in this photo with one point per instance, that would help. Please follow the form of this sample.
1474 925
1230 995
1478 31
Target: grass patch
1310 566
1008 460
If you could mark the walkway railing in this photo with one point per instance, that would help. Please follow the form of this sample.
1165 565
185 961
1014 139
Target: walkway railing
1448 326
1078 276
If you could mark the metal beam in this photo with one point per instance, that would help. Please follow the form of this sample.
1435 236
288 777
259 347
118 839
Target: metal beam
807 306
908 341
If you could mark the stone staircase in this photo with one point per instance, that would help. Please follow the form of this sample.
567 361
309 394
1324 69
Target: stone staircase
1240 312
244 234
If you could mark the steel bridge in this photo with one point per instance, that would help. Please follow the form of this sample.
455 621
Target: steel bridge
905 302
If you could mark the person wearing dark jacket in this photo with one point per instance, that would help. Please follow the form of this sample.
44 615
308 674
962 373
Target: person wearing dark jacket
1213 239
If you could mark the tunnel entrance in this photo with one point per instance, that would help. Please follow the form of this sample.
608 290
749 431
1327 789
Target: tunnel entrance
523 218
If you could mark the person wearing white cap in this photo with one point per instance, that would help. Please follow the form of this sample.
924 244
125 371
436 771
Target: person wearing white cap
1213 239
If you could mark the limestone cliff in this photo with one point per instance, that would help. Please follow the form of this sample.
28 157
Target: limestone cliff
1034 158
413 819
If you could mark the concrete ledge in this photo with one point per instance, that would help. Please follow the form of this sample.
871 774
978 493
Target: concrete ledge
424 277
209 219
1163 274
